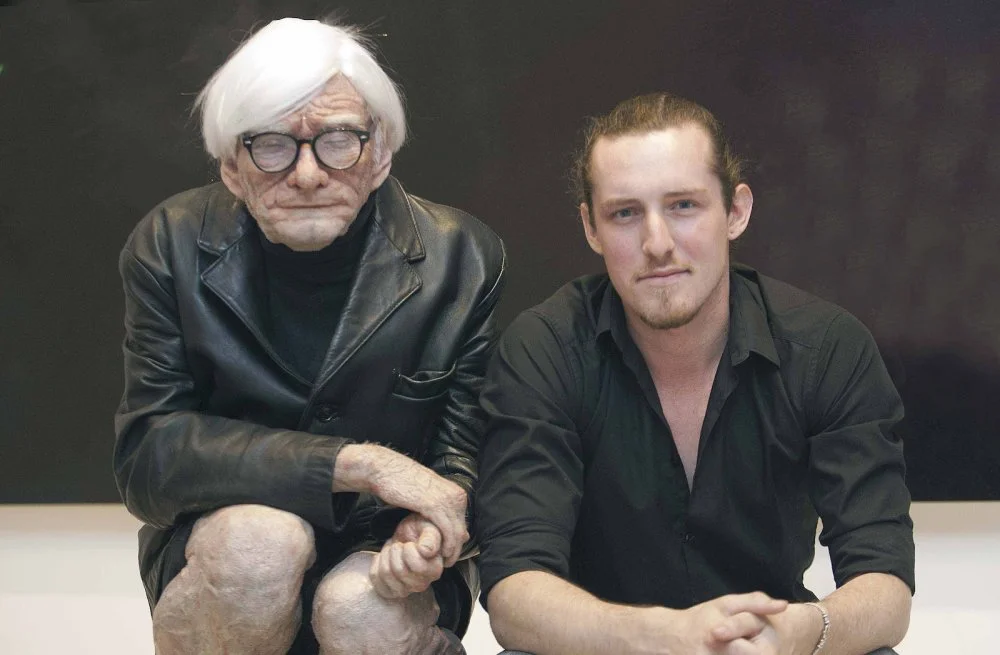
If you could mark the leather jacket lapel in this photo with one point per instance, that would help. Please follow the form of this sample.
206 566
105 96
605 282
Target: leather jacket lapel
384 281
237 276
385 277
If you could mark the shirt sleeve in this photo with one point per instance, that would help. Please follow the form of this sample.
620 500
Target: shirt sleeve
531 470
857 471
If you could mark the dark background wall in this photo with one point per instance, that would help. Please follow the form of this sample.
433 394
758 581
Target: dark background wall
871 127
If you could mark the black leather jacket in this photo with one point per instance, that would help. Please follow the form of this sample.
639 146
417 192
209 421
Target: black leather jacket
211 416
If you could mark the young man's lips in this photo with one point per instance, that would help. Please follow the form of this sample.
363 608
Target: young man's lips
662 275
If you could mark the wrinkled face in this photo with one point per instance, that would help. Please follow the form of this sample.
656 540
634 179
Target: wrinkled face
310 205
660 223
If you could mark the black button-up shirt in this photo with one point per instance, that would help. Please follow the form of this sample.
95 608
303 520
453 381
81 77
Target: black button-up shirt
579 474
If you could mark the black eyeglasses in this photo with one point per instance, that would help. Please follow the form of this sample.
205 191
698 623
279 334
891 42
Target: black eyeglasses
338 148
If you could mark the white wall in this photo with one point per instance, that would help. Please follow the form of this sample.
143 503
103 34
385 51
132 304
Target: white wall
69 582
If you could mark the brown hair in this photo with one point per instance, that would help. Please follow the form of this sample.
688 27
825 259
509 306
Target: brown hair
650 113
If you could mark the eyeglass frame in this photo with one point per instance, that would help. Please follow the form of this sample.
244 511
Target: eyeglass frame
364 136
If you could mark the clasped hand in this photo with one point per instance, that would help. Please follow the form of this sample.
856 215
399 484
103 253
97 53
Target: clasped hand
410 561
401 482
736 624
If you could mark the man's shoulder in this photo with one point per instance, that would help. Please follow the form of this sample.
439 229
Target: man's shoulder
441 224
180 219
448 219
569 314
798 316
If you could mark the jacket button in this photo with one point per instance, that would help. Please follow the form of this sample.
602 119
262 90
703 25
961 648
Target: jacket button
326 413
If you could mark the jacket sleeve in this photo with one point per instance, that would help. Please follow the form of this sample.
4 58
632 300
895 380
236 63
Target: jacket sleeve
453 450
172 459
857 471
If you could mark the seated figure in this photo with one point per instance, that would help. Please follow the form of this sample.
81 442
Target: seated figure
305 345
662 437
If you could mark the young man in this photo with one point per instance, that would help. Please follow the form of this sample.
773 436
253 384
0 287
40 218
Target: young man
661 438
305 345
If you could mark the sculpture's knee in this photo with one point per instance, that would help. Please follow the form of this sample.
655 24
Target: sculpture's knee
239 591
345 603
350 617
247 549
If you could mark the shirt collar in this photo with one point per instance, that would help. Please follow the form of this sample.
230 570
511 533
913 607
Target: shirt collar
749 330
611 324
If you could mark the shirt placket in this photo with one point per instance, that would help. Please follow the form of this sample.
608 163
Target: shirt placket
723 386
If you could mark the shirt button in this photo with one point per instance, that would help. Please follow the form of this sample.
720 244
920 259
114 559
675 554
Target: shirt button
326 413
688 537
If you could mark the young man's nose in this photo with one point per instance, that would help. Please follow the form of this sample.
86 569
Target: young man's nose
657 238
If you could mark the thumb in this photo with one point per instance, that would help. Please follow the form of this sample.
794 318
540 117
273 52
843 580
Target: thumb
429 543
407 530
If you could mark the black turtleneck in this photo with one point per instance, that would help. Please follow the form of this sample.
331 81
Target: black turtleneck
307 291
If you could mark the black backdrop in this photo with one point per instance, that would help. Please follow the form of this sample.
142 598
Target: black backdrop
871 127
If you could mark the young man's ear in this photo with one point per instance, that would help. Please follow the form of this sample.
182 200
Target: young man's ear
739 211
589 228
231 176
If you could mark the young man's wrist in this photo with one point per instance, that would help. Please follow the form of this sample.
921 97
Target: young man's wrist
638 624
824 617
804 628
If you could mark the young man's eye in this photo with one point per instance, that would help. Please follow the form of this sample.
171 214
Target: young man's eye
624 212
685 204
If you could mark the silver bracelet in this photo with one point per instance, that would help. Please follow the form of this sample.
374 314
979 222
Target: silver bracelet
826 626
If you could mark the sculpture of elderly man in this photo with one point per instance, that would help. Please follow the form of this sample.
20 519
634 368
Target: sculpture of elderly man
305 343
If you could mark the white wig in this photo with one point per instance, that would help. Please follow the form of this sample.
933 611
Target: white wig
282 68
